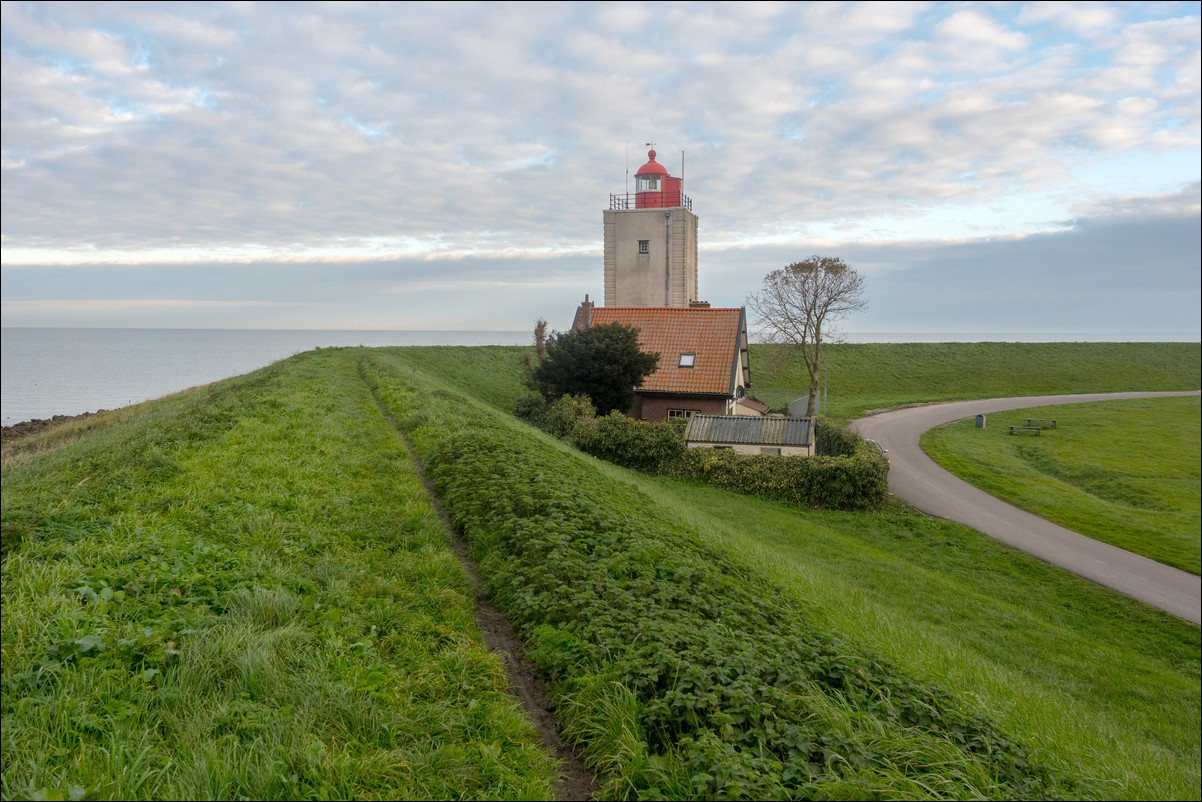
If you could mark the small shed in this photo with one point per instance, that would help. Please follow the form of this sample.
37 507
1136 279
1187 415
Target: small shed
748 434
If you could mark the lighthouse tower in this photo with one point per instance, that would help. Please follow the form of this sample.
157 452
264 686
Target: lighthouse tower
651 242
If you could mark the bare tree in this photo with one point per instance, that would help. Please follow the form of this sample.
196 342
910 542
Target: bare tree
797 304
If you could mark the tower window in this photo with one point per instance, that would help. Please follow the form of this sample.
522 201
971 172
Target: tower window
646 183
644 246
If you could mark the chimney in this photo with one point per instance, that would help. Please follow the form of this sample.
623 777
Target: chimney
699 304
586 313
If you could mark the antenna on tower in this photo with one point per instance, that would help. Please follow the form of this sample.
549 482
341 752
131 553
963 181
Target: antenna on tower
627 169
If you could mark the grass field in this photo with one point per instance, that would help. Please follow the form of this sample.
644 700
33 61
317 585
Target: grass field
1124 472
244 592
875 376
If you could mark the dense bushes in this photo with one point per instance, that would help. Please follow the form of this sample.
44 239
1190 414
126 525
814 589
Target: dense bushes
681 673
647 447
857 482
833 440
852 477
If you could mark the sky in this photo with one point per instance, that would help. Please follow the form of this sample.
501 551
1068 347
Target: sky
989 167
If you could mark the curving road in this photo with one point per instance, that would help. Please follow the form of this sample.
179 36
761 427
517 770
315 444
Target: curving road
915 478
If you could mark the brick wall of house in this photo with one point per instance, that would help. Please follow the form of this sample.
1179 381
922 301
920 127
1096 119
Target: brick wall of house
654 408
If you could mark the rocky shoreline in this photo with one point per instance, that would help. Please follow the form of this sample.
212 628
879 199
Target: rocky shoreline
31 427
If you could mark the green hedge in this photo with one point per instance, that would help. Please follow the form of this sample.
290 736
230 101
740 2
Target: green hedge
858 482
682 674
647 447
833 440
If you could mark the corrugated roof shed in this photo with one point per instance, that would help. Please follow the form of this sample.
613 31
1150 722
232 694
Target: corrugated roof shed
749 430
717 337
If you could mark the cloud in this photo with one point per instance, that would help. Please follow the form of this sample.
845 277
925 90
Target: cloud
344 149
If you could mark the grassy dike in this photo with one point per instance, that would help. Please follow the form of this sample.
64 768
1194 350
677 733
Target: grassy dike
864 376
1101 687
698 643
683 673
244 592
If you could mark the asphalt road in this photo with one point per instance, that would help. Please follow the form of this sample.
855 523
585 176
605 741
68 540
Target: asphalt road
916 479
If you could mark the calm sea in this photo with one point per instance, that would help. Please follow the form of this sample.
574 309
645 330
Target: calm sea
45 372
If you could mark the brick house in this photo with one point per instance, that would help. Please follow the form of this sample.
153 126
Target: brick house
703 360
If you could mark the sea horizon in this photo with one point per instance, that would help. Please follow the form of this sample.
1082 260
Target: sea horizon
54 370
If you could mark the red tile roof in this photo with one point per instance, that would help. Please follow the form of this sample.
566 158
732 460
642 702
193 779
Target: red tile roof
718 337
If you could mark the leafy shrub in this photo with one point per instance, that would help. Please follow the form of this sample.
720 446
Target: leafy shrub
637 444
833 440
562 415
603 362
859 482
531 406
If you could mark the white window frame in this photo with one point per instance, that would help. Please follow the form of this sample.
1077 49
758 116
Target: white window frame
646 183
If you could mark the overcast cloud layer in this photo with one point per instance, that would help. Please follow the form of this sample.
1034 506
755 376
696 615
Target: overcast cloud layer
991 167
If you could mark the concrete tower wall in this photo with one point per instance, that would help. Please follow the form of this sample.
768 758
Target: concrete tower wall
666 275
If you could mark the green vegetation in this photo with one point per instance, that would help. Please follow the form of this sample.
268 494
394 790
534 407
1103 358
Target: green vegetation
1101 686
875 376
244 592
857 479
684 673
1124 472
602 362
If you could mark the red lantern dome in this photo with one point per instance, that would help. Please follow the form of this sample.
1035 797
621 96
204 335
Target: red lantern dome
654 188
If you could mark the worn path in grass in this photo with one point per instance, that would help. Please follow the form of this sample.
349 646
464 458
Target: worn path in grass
916 479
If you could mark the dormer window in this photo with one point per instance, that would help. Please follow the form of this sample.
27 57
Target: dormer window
688 359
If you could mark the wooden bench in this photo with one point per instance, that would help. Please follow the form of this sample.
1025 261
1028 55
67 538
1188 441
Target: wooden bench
1035 430
1045 423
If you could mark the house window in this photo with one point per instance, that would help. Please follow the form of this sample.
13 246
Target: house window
688 359
644 246
771 452
681 413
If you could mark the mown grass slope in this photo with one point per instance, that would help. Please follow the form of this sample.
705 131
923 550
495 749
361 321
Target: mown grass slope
878 375
1125 472
244 592
1103 688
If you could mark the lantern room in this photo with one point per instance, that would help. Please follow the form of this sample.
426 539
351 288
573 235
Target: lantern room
654 188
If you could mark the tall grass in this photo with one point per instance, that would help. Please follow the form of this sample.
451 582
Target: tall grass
244 591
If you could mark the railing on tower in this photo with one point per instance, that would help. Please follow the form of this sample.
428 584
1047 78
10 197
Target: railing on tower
651 200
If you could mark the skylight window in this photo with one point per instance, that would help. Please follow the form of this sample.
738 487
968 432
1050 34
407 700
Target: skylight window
687 360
